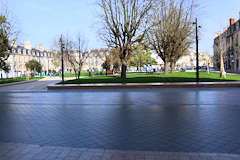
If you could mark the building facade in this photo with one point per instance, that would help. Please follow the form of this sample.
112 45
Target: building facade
95 59
228 43
21 54
93 62
189 60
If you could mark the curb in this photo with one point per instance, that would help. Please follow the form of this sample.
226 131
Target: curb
144 85
17 83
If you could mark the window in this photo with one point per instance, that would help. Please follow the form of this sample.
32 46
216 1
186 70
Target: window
234 27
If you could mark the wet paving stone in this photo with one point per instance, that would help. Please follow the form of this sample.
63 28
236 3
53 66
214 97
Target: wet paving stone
175 120
47 153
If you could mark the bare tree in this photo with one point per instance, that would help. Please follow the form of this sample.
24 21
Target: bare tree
171 32
69 52
122 25
62 50
82 54
75 53
206 58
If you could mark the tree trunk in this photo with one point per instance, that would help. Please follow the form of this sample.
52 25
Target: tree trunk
79 72
173 67
78 76
222 70
166 68
207 67
123 71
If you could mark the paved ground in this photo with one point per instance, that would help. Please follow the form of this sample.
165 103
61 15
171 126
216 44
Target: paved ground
34 86
10 151
166 120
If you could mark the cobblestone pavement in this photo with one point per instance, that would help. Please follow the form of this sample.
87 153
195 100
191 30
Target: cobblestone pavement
11 151
166 120
40 85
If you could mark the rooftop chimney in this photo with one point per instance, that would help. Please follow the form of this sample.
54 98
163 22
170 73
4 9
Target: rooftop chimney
232 20
27 45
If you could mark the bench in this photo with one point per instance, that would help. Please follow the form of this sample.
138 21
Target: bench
109 72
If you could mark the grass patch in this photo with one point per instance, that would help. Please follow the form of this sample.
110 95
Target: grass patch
154 78
67 75
19 79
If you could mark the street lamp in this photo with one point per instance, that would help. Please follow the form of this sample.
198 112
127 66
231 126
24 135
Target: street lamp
62 47
197 54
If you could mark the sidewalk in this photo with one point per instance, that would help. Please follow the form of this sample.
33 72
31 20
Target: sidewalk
36 152
33 85
17 83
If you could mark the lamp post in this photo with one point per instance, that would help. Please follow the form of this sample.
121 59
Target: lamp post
62 47
197 54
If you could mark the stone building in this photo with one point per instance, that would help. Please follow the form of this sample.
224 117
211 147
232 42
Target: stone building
21 54
93 62
95 59
189 60
228 43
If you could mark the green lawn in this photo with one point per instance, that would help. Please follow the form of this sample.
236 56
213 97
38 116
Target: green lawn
11 80
149 78
82 74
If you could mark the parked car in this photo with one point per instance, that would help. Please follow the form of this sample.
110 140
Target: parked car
188 68
202 68
212 69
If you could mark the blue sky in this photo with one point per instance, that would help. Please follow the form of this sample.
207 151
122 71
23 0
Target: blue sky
40 21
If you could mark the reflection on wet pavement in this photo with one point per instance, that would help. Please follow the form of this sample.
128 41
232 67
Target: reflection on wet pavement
169 120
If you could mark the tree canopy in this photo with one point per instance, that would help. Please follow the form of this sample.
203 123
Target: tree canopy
34 66
123 22
171 33
141 56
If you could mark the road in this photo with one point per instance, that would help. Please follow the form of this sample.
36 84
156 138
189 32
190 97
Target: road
165 120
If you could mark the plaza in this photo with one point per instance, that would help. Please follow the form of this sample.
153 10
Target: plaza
119 80
160 123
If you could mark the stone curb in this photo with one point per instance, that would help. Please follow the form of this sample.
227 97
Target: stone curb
17 83
145 85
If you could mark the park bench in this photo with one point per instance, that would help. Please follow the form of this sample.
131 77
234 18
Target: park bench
151 72
109 72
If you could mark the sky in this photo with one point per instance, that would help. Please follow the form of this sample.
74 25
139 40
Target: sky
41 21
